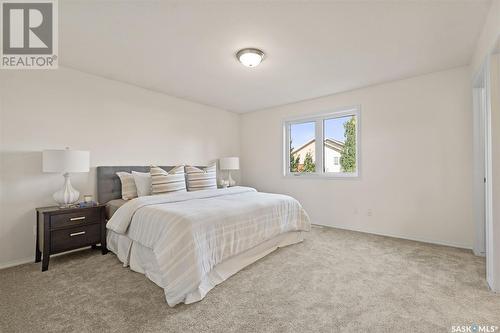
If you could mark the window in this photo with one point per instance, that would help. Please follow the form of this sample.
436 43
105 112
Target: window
303 147
323 145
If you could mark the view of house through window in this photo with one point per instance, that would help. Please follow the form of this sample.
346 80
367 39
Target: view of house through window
338 152
339 146
302 147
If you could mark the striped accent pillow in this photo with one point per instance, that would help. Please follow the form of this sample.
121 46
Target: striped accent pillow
129 191
166 182
201 179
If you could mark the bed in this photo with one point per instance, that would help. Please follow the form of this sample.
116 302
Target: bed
188 242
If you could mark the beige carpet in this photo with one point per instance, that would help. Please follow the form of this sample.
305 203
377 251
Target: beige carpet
334 281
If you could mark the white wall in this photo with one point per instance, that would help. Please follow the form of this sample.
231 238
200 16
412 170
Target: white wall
118 123
488 37
416 152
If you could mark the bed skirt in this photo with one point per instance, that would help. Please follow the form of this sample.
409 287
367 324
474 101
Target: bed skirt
142 260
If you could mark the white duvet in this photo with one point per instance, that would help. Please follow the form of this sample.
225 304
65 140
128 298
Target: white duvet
191 232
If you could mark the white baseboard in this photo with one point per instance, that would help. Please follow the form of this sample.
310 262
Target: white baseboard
417 239
16 262
32 259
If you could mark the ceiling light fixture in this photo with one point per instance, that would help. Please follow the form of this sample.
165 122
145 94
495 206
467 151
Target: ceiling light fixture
250 57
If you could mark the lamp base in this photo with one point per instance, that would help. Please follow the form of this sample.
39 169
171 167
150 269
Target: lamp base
67 195
230 180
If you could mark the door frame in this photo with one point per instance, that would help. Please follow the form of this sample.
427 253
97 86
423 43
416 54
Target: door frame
479 174
482 187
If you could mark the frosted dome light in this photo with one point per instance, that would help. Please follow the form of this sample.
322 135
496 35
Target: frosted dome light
250 57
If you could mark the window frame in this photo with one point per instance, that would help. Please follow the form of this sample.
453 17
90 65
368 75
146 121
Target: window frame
319 119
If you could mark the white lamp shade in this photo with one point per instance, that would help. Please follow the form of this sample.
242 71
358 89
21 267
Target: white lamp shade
229 163
65 161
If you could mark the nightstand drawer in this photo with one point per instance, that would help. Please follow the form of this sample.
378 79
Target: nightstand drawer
76 237
84 216
64 229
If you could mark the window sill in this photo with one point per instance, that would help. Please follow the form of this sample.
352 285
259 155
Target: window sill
322 176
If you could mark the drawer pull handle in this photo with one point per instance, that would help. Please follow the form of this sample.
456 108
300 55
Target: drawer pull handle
77 218
77 234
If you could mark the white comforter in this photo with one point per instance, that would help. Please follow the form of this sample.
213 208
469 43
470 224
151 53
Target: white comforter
191 232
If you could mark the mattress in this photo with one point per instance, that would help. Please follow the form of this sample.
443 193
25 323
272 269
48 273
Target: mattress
112 206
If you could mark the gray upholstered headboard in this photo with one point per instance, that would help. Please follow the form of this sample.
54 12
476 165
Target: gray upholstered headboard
109 186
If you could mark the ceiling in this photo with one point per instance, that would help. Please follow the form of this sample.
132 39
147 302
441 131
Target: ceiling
187 49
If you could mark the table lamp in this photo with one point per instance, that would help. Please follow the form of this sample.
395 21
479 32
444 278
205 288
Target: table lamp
66 161
229 163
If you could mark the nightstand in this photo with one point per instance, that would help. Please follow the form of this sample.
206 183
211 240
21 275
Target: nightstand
64 229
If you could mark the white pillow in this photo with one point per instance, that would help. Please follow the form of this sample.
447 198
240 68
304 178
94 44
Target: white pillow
129 191
142 183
